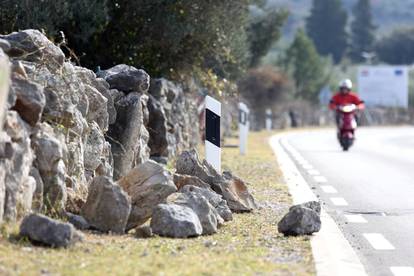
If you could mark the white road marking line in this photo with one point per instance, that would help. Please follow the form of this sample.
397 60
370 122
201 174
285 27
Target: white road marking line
378 241
313 172
402 270
307 166
301 161
328 189
320 179
339 201
355 219
298 157
293 151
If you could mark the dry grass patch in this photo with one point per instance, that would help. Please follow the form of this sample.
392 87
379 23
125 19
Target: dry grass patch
249 245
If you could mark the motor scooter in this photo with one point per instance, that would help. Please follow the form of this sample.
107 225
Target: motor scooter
347 125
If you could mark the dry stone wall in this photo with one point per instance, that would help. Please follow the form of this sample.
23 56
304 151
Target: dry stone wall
64 126
78 145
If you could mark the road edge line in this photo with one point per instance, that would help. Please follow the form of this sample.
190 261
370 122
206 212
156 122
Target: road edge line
333 255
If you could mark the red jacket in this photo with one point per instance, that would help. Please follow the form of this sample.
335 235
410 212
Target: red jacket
343 99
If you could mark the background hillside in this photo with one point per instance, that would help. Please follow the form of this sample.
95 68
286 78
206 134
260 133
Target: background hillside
387 14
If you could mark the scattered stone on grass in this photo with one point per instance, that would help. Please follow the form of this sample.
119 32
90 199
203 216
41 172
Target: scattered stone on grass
232 188
143 232
215 200
50 232
301 220
206 213
79 222
107 207
175 221
148 185
181 180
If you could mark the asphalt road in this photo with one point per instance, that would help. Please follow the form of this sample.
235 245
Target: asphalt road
369 191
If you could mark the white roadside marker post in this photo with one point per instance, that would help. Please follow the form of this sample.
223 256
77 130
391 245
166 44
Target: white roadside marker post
243 127
268 119
212 139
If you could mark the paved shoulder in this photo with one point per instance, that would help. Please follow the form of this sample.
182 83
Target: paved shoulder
368 191
332 253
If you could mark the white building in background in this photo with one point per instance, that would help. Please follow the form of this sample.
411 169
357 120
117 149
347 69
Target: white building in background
385 86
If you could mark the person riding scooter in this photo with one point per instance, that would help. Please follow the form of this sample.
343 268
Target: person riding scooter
346 104
345 96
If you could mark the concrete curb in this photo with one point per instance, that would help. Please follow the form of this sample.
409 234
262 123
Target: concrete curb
332 252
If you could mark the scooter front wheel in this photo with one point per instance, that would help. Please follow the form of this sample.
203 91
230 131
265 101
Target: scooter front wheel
346 143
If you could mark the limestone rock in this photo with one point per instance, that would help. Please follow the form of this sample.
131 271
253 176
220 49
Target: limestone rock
32 45
19 186
30 99
77 221
49 161
126 78
128 136
157 128
182 124
175 221
143 232
26 192
313 205
6 153
160 159
300 220
37 204
160 88
94 147
4 83
232 188
6 150
206 213
98 107
116 95
105 167
236 193
2 192
89 78
148 185
18 69
66 110
107 207
213 198
4 45
188 163
181 180
48 231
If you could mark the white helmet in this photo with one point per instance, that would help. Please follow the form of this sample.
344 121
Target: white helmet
346 84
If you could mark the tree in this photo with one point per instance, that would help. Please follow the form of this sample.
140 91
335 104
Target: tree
306 67
209 40
326 26
263 88
263 32
169 37
363 37
397 47
78 19
165 37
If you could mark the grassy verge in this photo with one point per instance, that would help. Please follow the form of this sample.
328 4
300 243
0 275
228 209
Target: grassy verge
248 245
